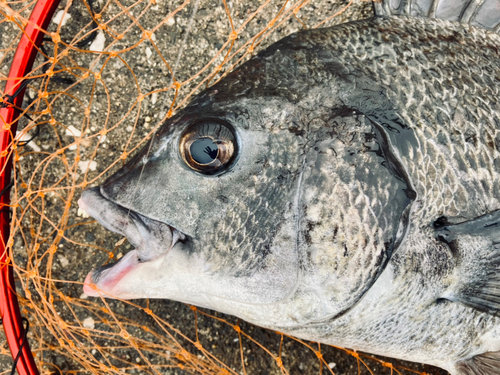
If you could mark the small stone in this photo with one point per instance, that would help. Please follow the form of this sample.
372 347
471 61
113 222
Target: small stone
147 119
71 130
64 261
98 43
129 128
23 137
85 165
154 98
148 52
82 213
61 17
89 237
84 296
137 359
89 323
332 364
170 21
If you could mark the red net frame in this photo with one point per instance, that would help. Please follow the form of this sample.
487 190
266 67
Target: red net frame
20 67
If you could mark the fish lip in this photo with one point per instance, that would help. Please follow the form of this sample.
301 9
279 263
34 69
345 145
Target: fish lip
133 223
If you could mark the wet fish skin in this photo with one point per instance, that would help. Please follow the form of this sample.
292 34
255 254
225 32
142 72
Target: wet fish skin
356 141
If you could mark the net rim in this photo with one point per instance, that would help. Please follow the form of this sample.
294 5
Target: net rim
22 63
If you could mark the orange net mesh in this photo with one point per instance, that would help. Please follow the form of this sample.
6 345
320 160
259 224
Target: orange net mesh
108 74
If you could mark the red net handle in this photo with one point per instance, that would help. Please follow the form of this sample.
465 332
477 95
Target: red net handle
21 65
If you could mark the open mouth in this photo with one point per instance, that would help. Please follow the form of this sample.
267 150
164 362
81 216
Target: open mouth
150 238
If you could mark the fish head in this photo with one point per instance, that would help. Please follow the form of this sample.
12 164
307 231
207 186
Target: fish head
259 199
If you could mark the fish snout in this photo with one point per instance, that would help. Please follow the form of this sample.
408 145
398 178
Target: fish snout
113 217
150 238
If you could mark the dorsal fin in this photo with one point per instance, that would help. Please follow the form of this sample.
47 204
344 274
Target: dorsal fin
480 13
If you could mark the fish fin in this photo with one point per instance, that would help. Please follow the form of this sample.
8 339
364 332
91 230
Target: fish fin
482 364
475 245
480 13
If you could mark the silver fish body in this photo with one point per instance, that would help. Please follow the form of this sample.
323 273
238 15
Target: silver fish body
359 204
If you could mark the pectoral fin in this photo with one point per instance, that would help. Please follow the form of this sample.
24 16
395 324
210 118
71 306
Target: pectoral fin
483 364
476 246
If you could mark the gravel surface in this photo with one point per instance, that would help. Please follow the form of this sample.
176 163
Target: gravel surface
188 41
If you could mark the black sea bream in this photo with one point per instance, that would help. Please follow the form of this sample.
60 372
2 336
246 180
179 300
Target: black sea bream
341 186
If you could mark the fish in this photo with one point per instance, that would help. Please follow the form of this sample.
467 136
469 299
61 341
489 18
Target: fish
341 186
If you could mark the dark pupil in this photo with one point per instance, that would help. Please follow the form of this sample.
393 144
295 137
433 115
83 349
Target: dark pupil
203 150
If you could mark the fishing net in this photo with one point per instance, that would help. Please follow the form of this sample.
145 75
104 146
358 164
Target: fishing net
108 73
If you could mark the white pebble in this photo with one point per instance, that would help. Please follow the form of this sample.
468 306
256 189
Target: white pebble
61 15
332 364
102 139
147 119
148 52
83 296
170 21
89 322
71 130
129 128
73 147
154 98
82 213
23 137
137 359
34 146
87 164
94 351
99 42
64 261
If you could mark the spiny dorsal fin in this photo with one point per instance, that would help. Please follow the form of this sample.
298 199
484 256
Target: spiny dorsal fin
480 13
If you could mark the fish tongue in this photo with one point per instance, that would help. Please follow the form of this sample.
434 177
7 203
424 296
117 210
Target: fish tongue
103 280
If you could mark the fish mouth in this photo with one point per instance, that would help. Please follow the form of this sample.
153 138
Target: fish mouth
150 238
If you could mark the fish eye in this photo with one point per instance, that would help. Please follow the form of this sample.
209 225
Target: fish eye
208 146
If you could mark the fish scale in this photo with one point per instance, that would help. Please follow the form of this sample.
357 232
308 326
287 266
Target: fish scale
362 205
423 118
